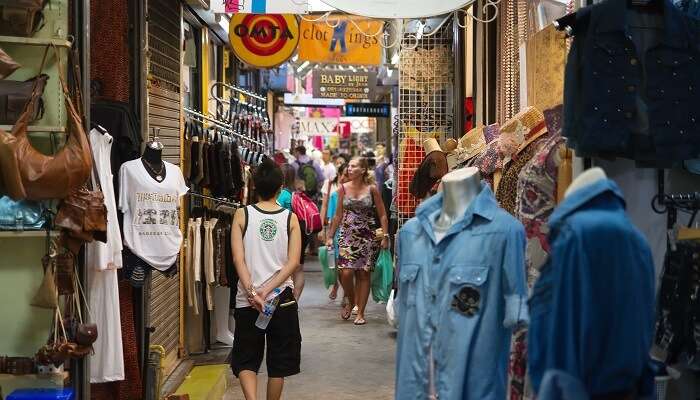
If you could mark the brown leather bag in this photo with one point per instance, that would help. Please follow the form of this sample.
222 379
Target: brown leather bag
21 17
7 65
53 177
14 96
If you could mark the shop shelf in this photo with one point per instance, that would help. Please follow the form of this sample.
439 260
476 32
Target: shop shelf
37 128
26 234
36 41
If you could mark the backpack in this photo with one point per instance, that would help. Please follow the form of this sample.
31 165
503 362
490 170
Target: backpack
307 212
307 173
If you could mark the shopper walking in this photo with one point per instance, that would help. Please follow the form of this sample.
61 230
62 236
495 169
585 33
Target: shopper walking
284 199
309 172
359 208
266 242
328 209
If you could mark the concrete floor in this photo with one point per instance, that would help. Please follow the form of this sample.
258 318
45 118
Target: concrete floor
339 361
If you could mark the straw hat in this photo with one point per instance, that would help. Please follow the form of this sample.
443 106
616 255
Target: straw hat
431 145
449 146
471 144
524 126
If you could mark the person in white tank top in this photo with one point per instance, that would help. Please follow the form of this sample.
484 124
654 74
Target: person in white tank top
266 243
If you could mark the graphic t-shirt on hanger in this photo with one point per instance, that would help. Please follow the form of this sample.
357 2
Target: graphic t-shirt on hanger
151 218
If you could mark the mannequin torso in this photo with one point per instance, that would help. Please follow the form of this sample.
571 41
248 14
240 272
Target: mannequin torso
152 159
460 187
588 177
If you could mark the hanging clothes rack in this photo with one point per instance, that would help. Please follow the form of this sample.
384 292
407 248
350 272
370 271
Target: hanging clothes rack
238 90
214 199
222 126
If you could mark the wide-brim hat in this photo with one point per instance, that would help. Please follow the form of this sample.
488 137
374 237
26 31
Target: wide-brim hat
471 144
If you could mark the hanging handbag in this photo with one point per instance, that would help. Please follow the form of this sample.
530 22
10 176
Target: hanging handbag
85 333
46 295
7 65
65 273
21 17
15 95
53 177
21 215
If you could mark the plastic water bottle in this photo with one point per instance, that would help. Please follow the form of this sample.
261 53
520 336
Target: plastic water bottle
331 257
268 309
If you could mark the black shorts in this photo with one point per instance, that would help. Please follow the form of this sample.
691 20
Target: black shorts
283 340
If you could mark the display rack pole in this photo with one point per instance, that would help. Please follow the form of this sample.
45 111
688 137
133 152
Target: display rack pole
81 27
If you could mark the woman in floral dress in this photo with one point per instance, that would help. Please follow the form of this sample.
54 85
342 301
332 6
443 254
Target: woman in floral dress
359 209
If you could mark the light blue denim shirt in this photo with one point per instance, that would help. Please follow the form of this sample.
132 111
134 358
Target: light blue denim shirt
460 298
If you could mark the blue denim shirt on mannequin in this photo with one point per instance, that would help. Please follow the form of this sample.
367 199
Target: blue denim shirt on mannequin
482 257
633 92
592 309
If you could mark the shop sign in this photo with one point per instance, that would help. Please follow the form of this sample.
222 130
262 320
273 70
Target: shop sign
259 6
376 110
357 124
264 41
307 100
318 126
336 84
397 8
338 40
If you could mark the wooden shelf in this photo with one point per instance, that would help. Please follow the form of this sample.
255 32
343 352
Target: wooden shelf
36 41
37 128
26 234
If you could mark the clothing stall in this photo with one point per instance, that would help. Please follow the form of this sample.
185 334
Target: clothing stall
592 154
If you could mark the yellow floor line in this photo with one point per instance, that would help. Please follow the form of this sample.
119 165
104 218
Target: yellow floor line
206 382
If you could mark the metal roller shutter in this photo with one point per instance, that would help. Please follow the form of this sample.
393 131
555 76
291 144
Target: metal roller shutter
164 21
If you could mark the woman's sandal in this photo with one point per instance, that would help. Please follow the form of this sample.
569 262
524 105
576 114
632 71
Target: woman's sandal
347 312
360 321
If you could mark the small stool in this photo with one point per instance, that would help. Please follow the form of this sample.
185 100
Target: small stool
42 394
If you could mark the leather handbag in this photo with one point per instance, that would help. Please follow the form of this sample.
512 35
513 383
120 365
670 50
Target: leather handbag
21 215
84 215
85 332
21 17
65 273
15 95
7 65
47 294
53 177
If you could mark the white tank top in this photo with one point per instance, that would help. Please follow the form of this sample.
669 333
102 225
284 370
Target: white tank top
265 242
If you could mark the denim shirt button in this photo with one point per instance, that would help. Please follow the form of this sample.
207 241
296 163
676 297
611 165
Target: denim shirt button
631 88
628 115
595 108
633 61
681 131
692 119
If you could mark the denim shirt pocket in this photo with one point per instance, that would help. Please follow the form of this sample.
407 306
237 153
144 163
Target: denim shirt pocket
468 290
407 283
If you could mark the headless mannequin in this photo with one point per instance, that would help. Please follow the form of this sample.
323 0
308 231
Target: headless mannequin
459 188
152 159
588 177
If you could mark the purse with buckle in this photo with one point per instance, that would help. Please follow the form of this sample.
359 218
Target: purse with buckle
15 95
21 17
21 215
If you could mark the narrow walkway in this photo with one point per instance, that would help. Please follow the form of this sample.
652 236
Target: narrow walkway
339 361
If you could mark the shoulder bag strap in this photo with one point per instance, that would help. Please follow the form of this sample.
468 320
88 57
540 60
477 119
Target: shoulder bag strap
19 128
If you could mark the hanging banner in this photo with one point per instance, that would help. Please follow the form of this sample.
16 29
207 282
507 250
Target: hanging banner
397 8
259 6
336 84
339 41
264 41
318 126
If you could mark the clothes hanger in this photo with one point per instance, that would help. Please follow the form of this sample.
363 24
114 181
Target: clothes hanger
98 127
